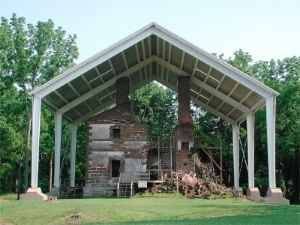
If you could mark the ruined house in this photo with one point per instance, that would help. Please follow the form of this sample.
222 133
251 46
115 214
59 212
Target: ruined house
153 54
115 144
118 149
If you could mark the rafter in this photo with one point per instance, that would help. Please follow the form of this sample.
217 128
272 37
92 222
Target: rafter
137 53
143 50
170 53
112 67
182 60
203 105
125 61
164 50
203 85
105 85
99 74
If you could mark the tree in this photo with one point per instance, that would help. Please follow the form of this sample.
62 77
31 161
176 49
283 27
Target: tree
30 55
155 106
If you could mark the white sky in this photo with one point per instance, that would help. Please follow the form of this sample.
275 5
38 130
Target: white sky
267 29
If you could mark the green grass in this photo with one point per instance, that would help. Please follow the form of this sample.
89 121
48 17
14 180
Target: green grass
157 209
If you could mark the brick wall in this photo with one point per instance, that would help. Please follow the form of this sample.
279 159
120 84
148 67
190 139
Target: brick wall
184 131
122 86
102 147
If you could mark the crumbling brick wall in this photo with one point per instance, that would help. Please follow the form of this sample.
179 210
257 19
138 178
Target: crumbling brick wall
184 131
131 149
122 85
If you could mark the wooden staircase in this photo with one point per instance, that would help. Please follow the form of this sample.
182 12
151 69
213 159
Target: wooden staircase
125 185
165 154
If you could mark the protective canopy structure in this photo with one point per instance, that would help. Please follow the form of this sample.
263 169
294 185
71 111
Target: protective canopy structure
154 53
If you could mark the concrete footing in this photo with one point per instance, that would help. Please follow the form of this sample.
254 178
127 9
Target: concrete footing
237 192
34 194
274 195
54 192
253 194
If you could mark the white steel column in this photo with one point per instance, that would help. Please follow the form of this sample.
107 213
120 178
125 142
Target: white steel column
73 154
58 128
250 143
271 111
36 119
236 150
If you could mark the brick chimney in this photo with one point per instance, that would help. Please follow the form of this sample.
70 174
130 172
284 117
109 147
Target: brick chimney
184 131
122 86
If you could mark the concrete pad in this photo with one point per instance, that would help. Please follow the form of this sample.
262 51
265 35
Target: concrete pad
253 194
34 194
274 195
237 192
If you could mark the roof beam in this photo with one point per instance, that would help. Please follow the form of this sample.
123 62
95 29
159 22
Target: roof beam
105 105
164 50
59 95
105 85
170 53
203 105
221 95
157 46
48 103
137 53
112 66
99 74
92 62
125 61
216 63
87 83
195 67
203 85
182 60
150 46
72 87
143 50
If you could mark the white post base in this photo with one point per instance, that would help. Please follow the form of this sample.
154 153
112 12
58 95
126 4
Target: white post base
253 194
34 194
237 192
274 195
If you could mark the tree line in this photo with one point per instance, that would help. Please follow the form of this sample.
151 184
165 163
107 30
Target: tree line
30 55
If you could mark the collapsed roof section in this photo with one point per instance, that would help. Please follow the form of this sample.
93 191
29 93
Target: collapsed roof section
154 53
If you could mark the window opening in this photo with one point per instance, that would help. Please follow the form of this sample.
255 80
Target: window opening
116 133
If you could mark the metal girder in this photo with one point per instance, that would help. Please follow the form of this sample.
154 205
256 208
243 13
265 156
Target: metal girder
105 105
204 86
105 85
203 105
216 63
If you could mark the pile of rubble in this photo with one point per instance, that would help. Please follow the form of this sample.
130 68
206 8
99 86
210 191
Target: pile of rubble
190 186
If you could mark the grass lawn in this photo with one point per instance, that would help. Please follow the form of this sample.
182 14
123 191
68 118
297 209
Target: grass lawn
157 209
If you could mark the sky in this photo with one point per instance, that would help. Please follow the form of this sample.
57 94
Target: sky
267 29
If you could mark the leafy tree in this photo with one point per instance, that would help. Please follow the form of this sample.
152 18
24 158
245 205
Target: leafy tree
30 55
155 106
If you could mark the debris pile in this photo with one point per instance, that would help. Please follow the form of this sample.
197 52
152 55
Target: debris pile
191 186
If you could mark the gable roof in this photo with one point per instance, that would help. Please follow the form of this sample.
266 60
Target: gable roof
154 53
